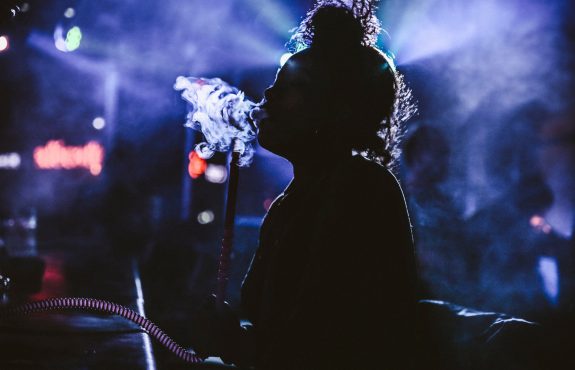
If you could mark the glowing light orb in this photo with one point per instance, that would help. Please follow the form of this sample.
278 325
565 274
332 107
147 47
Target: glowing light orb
216 173
99 123
61 45
536 221
540 224
73 38
4 43
69 13
284 58
206 217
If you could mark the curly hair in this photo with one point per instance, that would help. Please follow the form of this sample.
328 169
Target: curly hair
347 31
362 25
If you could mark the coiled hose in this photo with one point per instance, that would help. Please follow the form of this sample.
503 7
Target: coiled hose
97 305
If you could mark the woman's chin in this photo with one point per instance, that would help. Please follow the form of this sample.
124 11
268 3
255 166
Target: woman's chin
271 144
265 141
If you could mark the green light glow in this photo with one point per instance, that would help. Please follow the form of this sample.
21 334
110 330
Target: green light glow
73 38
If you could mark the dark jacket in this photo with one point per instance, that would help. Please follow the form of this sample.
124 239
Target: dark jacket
332 285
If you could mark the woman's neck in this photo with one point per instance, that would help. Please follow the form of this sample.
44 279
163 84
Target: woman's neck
313 168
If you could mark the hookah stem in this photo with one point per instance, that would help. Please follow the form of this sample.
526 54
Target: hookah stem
228 239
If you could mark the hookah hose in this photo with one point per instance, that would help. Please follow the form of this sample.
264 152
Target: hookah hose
97 305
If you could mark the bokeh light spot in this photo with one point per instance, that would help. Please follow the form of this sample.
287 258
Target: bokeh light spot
536 221
69 13
206 217
73 38
10 161
216 173
99 123
4 43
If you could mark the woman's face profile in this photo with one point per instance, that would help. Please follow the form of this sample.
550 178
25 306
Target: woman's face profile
290 107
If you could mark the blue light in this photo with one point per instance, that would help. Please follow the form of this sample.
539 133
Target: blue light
550 276
284 58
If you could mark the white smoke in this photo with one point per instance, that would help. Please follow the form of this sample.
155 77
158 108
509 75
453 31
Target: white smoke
221 113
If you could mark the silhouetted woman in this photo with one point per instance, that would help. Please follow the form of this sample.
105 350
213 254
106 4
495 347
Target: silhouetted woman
332 284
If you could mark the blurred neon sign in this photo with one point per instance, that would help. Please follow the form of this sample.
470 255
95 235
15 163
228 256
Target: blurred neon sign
55 155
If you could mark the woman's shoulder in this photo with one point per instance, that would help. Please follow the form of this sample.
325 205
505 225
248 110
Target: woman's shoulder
358 172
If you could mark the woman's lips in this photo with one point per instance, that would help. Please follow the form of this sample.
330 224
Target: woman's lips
258 115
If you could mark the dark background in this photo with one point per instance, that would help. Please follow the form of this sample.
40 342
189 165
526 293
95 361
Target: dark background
487 166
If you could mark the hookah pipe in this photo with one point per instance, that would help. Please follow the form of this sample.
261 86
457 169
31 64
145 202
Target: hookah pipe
227 107
102 306
229 223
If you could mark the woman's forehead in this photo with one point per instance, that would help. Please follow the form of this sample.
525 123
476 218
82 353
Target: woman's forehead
298 65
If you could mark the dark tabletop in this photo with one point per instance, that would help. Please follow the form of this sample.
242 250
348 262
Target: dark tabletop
75 340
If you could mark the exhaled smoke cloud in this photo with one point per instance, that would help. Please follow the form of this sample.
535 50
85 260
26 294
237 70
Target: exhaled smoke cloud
509 51
491 58
496 73
221 113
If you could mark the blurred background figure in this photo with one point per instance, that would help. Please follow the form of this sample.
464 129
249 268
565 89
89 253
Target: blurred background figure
446 265
509 233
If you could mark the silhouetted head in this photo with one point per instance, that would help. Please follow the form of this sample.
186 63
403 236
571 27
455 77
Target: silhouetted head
337 94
